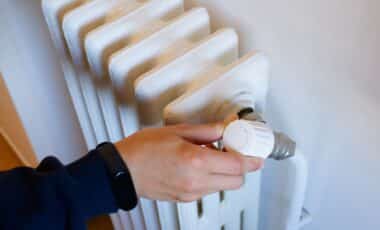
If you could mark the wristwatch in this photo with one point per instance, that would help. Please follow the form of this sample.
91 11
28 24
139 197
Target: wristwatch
120 178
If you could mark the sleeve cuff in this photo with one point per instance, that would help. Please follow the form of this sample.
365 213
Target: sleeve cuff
94 194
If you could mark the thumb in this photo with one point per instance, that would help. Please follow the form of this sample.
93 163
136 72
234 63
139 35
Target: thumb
200 134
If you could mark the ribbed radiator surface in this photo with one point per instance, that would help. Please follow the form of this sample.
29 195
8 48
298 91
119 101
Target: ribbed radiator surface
131 64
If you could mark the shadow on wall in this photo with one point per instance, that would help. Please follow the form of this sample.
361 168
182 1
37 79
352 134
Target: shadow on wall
219 18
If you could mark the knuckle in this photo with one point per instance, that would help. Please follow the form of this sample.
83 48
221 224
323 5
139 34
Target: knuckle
202 157
238 166
188 184
241 166
195 161
191 159
176 198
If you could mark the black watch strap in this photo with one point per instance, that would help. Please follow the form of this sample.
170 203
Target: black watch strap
121 180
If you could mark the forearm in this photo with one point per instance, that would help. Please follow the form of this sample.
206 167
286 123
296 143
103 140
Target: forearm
55 196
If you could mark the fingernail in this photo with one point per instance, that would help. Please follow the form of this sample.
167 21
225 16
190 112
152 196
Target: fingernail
220 128
254 164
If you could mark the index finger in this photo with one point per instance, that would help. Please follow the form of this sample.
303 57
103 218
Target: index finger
228 163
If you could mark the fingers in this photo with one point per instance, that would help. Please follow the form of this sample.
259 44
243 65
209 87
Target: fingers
253 163
210 184
228 163
207 171
200 134
216 183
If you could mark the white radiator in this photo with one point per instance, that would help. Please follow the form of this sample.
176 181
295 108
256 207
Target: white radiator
130 64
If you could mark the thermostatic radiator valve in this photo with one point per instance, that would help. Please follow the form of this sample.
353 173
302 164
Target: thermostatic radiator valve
250 136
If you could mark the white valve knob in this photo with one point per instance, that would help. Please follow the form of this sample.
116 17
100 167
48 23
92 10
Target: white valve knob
250 138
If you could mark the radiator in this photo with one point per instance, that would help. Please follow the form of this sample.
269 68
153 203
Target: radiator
132 64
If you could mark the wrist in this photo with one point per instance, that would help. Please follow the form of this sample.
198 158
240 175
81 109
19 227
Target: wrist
126 153
121 181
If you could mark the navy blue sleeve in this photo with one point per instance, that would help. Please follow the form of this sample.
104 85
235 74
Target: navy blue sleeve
54 196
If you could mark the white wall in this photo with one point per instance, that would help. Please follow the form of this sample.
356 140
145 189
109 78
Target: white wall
324 93
33 76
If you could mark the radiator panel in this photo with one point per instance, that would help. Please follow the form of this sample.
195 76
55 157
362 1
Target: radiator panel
111 37
158 87
243 83
102 42
127 64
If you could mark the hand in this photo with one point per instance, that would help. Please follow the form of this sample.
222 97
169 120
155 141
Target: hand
169 163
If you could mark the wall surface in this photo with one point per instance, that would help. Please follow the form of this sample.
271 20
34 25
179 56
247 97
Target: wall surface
35 82
12 128
325 56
